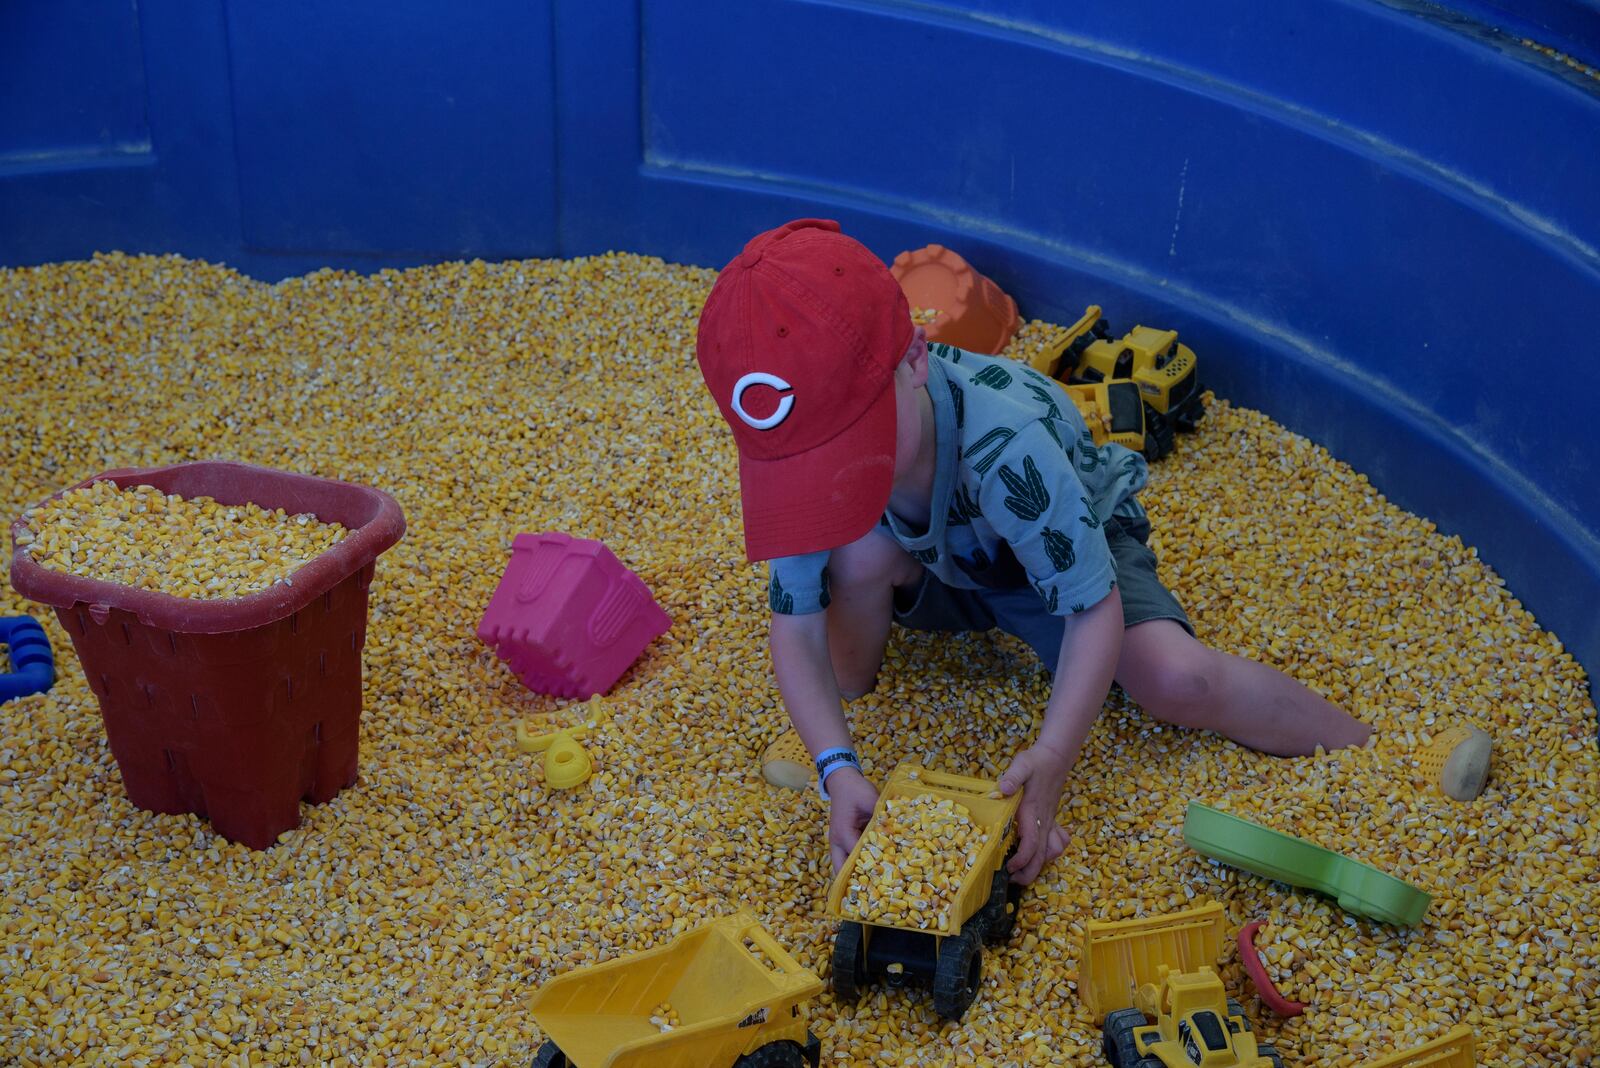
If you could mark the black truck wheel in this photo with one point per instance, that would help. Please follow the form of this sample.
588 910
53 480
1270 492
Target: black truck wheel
849 961
959 972
999 914
812 1050
550 1056
1158 437
773 1055
1236 1009
1271 1054
1117 1033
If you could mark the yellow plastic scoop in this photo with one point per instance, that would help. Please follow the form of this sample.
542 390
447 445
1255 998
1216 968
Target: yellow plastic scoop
566 763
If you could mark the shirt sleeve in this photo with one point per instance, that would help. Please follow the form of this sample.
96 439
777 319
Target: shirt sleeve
1036 502
798 585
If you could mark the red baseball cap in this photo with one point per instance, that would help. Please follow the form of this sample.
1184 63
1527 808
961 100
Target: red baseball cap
798 343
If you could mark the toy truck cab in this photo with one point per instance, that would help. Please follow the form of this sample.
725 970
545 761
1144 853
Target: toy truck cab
1195 1024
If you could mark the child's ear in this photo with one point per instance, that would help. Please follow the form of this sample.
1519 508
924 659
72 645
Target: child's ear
916 358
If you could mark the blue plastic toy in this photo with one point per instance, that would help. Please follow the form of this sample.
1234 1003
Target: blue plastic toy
33 667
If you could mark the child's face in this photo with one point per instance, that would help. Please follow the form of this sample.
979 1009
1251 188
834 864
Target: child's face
909 377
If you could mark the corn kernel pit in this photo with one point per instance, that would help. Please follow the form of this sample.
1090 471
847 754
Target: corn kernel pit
406 921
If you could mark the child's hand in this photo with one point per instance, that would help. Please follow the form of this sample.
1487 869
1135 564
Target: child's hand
1040 772
850 807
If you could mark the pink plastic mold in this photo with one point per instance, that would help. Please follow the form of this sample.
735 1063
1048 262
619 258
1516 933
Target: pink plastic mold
568 616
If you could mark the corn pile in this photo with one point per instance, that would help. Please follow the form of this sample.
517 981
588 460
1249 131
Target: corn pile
1284 961
406 921
149 540
910 863
664 1017
753 948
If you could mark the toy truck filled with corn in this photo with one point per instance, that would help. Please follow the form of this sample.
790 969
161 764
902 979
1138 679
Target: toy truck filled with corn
1152 982
723 995
925 887
1165 373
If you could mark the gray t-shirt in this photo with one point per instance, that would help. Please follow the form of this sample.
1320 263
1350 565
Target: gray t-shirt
1019 491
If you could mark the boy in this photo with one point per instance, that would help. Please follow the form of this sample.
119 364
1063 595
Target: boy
949 491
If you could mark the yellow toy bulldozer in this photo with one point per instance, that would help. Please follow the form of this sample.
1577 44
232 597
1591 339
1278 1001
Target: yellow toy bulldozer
1160 969
1196 1024
1165 373
1114 411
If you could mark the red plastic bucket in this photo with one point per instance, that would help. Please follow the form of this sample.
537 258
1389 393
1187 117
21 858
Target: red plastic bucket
232 709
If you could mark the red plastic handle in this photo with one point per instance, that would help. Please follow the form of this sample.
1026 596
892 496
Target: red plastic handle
1253 966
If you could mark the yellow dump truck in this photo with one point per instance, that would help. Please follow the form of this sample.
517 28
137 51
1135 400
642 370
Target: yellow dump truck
724 995
1152 981
946 958
1453 1050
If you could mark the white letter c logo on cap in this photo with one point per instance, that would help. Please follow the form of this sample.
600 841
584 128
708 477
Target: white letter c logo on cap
761 378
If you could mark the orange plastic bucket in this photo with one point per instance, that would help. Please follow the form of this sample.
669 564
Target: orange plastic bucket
973 313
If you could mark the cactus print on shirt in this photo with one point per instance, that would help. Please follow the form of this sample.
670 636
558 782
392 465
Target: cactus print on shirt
1019 492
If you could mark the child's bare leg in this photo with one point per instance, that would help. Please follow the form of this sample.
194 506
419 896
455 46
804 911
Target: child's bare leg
1177 679
862 577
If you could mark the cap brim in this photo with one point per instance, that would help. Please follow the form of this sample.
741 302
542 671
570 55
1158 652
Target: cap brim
823 498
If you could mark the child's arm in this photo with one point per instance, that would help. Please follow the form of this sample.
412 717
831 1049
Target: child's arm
1090 646
1033 497
804 670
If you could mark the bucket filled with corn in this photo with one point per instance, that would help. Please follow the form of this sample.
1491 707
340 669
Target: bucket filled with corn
219 612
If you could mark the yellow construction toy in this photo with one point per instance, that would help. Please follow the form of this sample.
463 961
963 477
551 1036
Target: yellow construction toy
1161 968
1165 373
1453 1050
1115 412
566 763
723 995
946 958
1061 358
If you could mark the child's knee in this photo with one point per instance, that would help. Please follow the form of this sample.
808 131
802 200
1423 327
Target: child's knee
1179 690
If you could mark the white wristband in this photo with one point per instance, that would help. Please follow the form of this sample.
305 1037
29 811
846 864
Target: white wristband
830 761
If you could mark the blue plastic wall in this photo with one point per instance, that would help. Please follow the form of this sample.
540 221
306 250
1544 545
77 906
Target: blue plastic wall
1379 222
